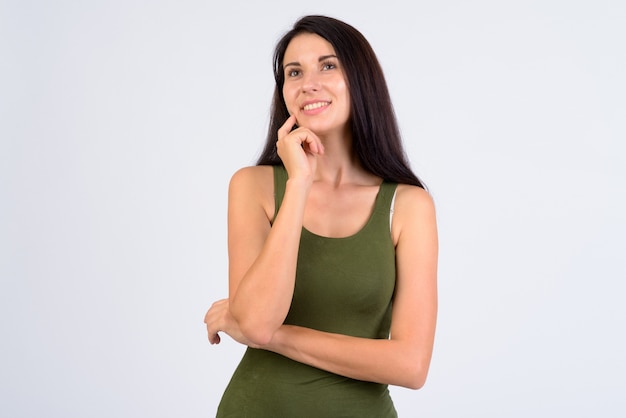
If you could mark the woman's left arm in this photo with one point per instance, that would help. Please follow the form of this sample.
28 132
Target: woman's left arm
404 358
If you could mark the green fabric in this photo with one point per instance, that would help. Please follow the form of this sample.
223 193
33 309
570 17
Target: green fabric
343 285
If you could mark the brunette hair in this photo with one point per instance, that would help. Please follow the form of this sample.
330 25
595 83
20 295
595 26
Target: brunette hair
375 133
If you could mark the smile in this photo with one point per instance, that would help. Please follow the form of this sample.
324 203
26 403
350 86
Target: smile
317 105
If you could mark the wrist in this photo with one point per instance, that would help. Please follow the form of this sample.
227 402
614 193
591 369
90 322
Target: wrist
299 183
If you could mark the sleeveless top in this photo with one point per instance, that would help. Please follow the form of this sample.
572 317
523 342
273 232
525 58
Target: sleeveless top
345 286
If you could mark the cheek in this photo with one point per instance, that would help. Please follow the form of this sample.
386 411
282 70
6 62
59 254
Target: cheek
289 100
346 95
342 88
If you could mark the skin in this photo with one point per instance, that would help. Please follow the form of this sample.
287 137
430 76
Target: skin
330 194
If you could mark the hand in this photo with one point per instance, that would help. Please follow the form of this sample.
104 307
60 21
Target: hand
298 149
219 319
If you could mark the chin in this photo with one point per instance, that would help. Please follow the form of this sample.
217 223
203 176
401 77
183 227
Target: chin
317 128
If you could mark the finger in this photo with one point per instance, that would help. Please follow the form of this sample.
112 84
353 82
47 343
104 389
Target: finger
287 126
214 338
313 144
212 333
209 314
214 307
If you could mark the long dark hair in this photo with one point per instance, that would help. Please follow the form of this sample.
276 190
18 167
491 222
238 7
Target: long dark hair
375 134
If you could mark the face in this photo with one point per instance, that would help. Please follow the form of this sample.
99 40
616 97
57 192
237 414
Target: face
315 88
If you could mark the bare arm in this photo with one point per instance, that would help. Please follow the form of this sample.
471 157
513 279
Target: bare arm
262 258
404 359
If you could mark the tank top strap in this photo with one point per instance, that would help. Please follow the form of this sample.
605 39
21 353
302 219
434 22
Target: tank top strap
385 197
381 216
280 182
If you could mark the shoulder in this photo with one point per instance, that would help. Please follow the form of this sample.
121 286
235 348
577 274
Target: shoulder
413 198
253 187
253 176
414 208
253 172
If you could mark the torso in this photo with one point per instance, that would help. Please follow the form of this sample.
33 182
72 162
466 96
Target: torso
343 285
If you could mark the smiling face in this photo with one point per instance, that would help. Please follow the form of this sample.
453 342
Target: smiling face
315 88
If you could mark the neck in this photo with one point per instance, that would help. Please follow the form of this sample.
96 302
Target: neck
339 165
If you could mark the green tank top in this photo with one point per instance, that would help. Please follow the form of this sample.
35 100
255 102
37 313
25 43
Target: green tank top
345 286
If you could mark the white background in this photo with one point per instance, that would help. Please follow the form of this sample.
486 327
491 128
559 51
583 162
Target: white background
121 123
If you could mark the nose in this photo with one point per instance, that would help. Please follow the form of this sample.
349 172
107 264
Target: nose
310 81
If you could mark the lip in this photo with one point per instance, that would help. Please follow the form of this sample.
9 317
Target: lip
313 107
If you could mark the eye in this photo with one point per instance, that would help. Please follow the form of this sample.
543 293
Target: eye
293 73
328 65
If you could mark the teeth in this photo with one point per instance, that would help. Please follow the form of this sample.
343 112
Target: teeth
315 105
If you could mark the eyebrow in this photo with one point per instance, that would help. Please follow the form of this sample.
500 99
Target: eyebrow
320 59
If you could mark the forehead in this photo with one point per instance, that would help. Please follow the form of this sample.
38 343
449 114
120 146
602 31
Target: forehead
307 45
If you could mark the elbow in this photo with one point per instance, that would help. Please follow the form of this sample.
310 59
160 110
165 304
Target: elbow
415 377
256 327
416 383
259 336
257 332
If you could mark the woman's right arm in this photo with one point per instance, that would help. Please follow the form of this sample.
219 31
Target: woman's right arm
263 257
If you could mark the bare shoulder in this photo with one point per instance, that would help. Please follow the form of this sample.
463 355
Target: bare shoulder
255 176
413 198
253 185
413 208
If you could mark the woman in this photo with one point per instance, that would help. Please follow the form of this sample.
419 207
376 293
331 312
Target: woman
332 243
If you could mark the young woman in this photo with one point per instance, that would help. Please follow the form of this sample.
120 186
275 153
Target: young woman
332 243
